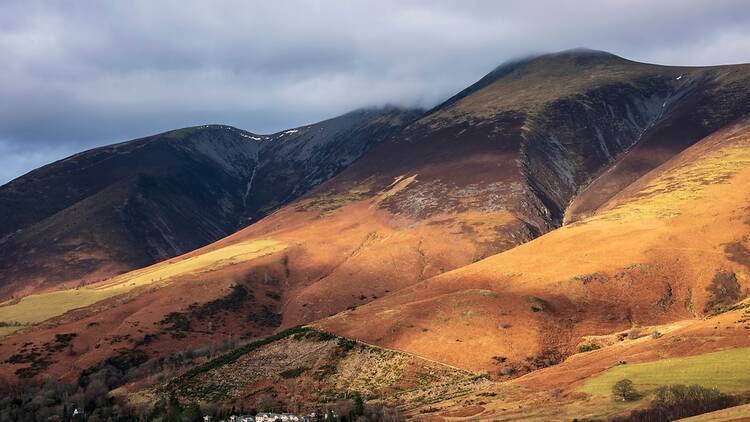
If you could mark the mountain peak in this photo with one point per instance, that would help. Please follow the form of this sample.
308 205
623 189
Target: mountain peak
580 57
559 62
573 57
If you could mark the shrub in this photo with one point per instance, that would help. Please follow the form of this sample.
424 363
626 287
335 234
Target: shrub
538 304
543 360
293 373
507 371
680 395
325 336
588 347
346 344
233 301
678 401
724 290
634 333
623 390
179 322
499 359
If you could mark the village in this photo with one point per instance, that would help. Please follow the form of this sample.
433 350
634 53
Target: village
275 417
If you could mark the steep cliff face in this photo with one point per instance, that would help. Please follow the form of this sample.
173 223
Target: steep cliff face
128 205
701 101
533 134
572 138
524 140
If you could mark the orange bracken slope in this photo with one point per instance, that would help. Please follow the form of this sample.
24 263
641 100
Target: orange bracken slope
671 247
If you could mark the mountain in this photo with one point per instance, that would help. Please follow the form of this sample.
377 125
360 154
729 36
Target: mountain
667 255
670 247
560 204
125 206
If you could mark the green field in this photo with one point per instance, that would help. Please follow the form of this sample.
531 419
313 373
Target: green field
727 370
39 307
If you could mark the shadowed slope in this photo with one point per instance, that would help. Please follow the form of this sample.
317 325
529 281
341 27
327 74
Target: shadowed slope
124 206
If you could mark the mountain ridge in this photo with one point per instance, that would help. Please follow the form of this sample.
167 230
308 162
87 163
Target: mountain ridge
166 194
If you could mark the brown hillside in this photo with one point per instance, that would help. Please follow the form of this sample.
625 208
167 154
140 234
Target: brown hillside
673 248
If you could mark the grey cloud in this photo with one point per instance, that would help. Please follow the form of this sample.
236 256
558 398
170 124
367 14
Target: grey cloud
79 74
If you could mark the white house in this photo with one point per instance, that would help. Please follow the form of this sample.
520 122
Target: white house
270 417
242 418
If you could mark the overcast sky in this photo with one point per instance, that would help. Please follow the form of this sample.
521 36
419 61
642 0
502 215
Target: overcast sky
78 74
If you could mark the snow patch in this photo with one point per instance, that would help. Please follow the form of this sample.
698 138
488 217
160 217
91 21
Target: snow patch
254 138
288 132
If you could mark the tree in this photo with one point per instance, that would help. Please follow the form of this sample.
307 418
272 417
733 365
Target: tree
675 402
192 413
174 409
623 390
359 406
358 409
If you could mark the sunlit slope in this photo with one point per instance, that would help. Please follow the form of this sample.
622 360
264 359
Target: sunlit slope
329 252
672 249
39 307
711 352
